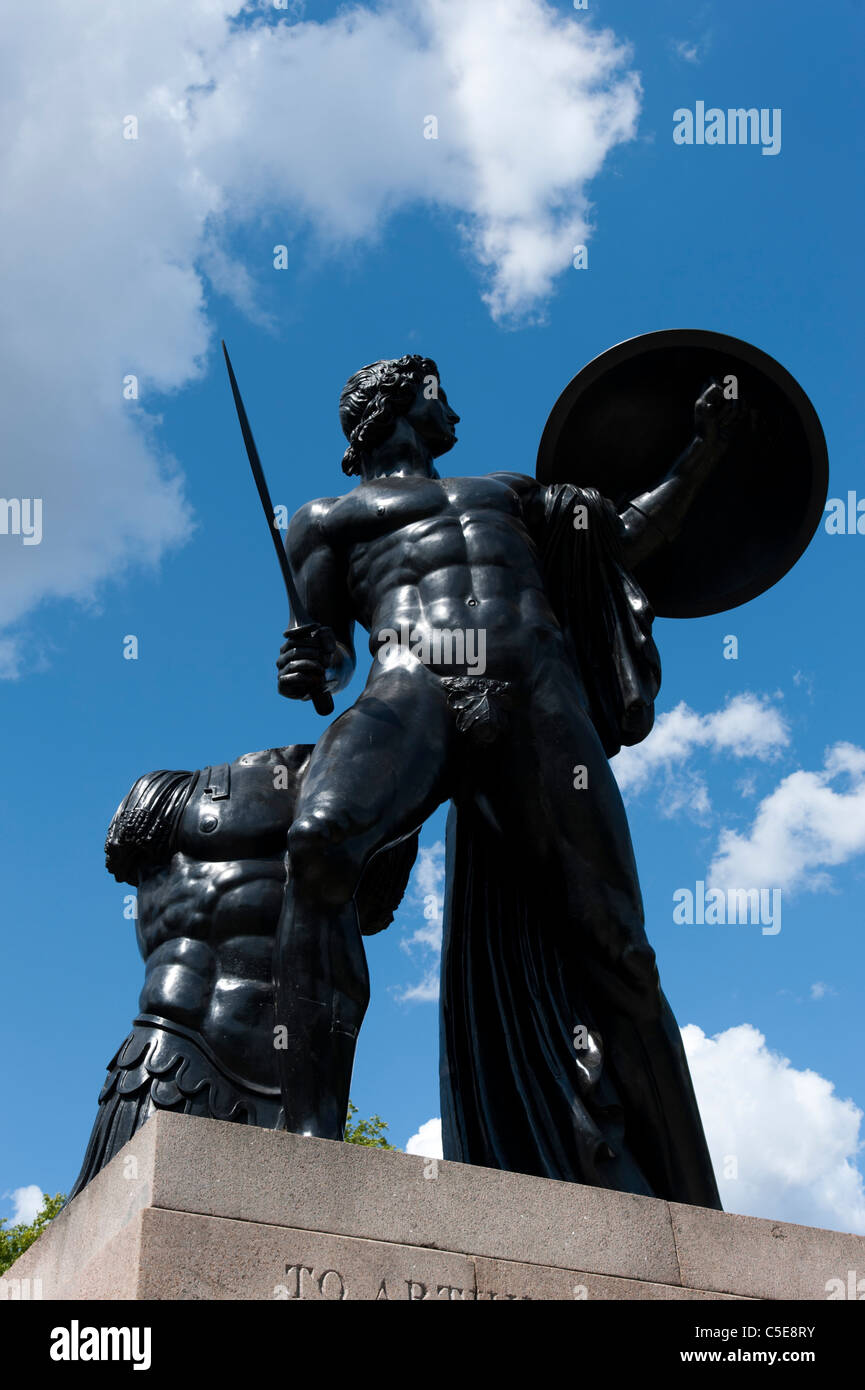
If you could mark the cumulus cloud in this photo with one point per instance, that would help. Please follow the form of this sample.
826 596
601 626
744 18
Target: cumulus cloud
427 1141
111 245
425 900
791 1141
26 1204
749 726
810 823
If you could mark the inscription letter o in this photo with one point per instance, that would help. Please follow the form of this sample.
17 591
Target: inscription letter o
322 1281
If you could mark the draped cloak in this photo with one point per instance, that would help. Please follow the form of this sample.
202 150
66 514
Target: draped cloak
541 1070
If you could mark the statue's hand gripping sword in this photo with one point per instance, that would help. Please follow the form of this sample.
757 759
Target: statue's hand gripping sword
322 702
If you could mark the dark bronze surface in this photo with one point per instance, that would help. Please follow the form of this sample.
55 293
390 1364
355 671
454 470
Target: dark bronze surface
206 851
559 1053
630 407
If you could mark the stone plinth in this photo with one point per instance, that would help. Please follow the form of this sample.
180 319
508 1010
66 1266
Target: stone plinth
198 1209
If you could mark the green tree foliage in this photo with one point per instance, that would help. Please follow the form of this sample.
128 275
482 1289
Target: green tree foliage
15 1240
369 1132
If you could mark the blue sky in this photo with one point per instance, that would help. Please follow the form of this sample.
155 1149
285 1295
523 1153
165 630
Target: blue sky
303 128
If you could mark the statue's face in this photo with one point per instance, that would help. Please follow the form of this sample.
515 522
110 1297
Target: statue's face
433 419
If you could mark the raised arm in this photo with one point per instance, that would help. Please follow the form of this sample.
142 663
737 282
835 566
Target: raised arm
655 518
532 495
320 655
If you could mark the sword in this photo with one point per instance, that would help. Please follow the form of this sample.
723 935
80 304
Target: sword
322 702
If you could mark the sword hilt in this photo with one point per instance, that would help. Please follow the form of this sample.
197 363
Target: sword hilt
322 701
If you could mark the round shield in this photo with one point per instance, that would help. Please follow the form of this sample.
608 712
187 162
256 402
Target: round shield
622 422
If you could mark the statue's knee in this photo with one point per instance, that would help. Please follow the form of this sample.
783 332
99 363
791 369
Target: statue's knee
321 859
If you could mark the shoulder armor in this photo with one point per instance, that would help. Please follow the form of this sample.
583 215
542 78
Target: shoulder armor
145 823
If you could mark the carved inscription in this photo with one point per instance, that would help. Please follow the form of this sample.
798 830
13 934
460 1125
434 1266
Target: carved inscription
306 1282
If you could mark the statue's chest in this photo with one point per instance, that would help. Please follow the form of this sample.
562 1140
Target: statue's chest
239 812
397 506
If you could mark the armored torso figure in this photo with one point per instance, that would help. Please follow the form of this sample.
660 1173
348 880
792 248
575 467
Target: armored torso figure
206 851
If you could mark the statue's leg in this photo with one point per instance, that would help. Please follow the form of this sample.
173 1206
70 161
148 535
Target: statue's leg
376 774
561 798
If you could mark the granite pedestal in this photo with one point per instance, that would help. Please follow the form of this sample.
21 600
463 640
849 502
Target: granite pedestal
199 1209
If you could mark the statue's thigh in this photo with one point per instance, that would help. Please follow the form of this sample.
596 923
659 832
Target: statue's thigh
556 798
382 767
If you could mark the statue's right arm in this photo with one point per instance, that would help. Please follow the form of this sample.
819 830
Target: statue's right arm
655 518
320 656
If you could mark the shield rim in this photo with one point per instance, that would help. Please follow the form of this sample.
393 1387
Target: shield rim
754 357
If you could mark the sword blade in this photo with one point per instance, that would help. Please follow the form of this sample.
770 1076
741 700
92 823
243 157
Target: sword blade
297 607
322 702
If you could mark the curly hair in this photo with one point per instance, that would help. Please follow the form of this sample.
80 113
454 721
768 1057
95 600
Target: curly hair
374 398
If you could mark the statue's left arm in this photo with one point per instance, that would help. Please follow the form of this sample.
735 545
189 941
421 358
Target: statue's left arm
655 518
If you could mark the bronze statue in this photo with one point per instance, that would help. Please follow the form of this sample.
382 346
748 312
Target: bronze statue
206 851
560 1054
510 631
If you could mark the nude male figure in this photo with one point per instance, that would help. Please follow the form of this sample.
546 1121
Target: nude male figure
407 550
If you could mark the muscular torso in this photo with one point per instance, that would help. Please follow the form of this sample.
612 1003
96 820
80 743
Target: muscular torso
206 920
451 553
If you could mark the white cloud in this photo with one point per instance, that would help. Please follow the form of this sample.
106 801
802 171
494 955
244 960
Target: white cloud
27 1203
427 1141
820 990
425 900
795 1143
748 726
109 244
805 679
804 827
691 50
424 991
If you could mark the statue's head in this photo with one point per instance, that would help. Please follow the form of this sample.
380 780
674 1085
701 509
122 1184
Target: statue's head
376 397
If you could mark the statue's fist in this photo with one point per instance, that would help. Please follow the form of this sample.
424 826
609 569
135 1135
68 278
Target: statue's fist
715 412
304 659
